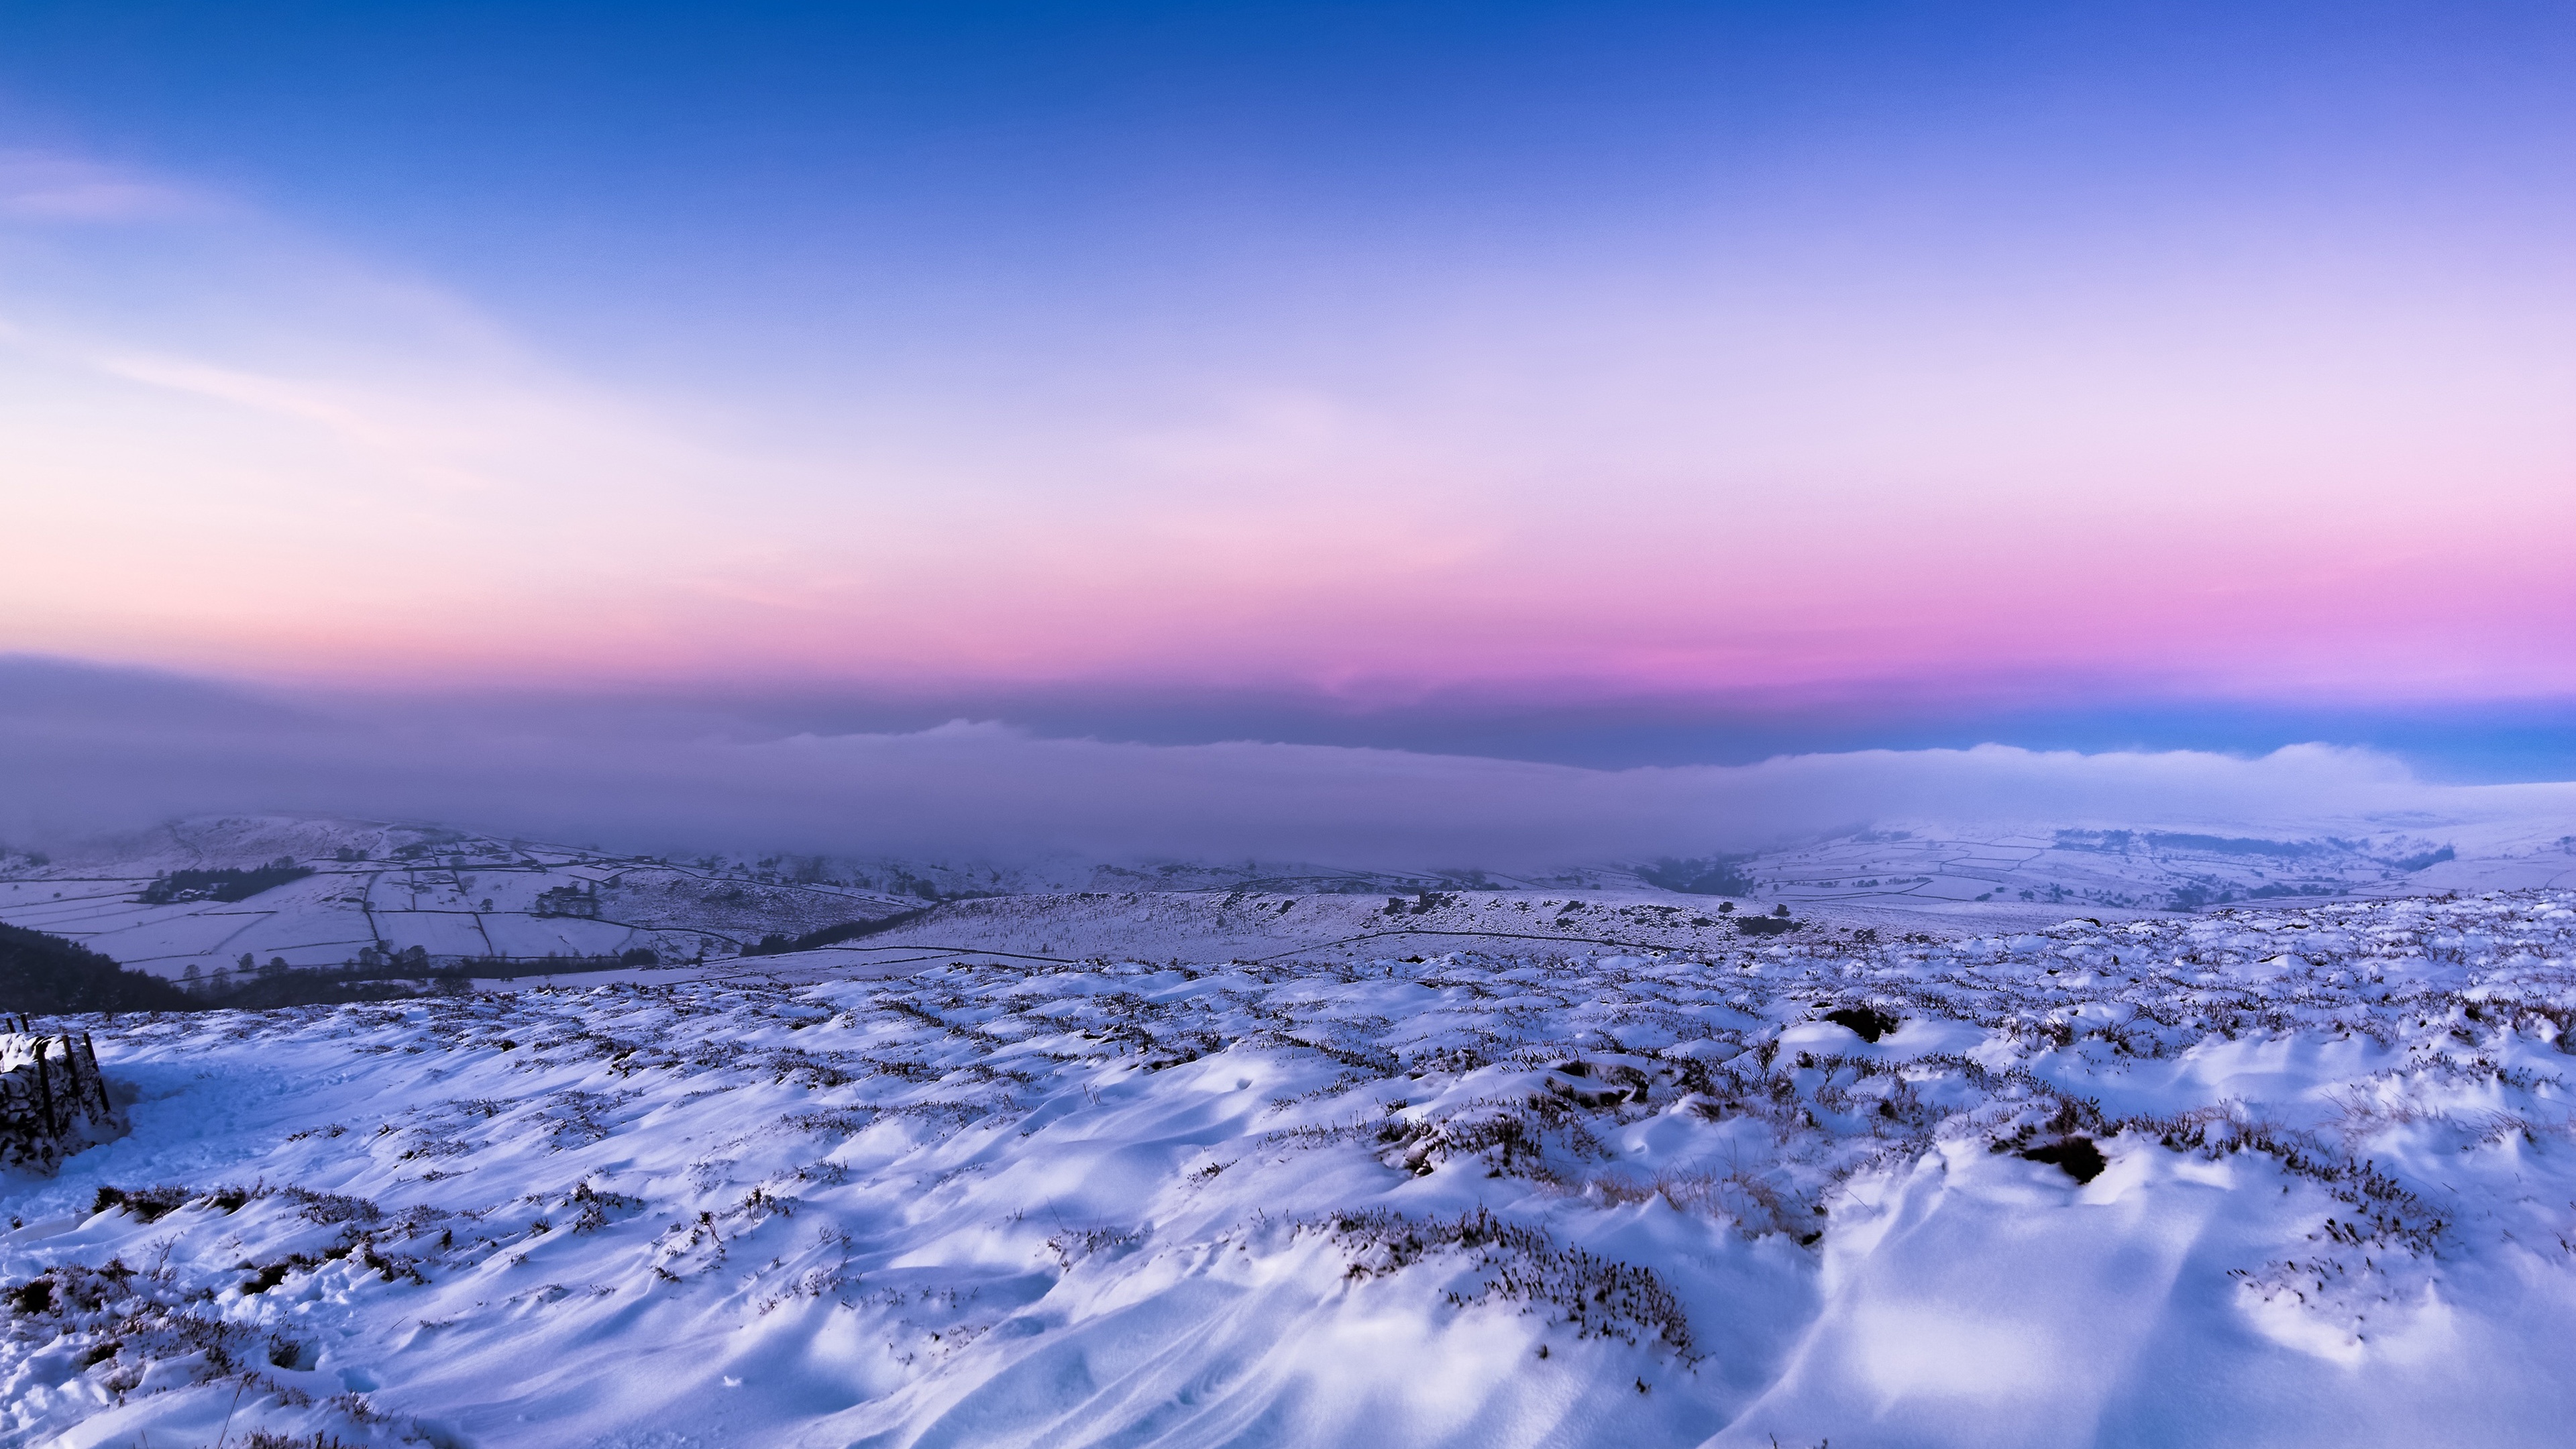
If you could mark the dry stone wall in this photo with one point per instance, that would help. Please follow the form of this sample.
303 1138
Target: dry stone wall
53 1100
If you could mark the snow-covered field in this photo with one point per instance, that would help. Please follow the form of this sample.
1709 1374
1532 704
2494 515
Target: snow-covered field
2154 869
1809 1187
453 894
459 896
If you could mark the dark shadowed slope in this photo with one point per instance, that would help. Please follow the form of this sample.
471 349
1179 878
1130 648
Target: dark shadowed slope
47 973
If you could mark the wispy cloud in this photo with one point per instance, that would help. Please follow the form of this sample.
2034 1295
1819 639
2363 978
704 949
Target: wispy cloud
52 187
243 439
283 397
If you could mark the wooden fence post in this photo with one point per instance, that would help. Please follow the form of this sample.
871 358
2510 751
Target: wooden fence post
45 1087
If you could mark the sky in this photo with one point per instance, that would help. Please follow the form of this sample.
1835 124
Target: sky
1611 386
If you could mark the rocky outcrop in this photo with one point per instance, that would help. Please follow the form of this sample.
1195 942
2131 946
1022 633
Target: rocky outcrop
53 1101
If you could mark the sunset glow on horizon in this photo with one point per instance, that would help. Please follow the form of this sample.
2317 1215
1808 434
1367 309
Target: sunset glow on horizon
1551 355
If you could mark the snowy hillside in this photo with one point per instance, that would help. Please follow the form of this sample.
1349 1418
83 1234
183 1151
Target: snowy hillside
345 887
454 895
2249 1177
1261 926
204 894
2147 869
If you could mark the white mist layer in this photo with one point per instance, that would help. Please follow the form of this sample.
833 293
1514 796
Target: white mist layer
83 752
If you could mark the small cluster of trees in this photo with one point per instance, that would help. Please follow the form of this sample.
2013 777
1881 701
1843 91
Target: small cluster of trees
507 967
1714 875
376 973
174 886
778 943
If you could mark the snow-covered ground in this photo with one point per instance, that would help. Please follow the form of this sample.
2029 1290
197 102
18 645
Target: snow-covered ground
2148 869
460 896
1824 1185
453 894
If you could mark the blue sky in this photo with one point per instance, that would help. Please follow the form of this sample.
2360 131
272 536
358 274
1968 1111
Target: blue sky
1600 383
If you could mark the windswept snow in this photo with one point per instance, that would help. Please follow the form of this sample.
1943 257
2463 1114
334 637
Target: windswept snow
1805 1188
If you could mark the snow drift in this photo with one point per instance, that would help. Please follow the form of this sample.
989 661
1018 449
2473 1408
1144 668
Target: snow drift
2296 1177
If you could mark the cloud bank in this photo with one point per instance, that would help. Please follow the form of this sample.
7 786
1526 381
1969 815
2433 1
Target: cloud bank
86 751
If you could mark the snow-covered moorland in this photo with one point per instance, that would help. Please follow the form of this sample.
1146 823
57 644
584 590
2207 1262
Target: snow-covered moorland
2298 1176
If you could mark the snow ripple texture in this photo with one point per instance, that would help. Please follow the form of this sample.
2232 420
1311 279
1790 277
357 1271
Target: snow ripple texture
2254 1178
